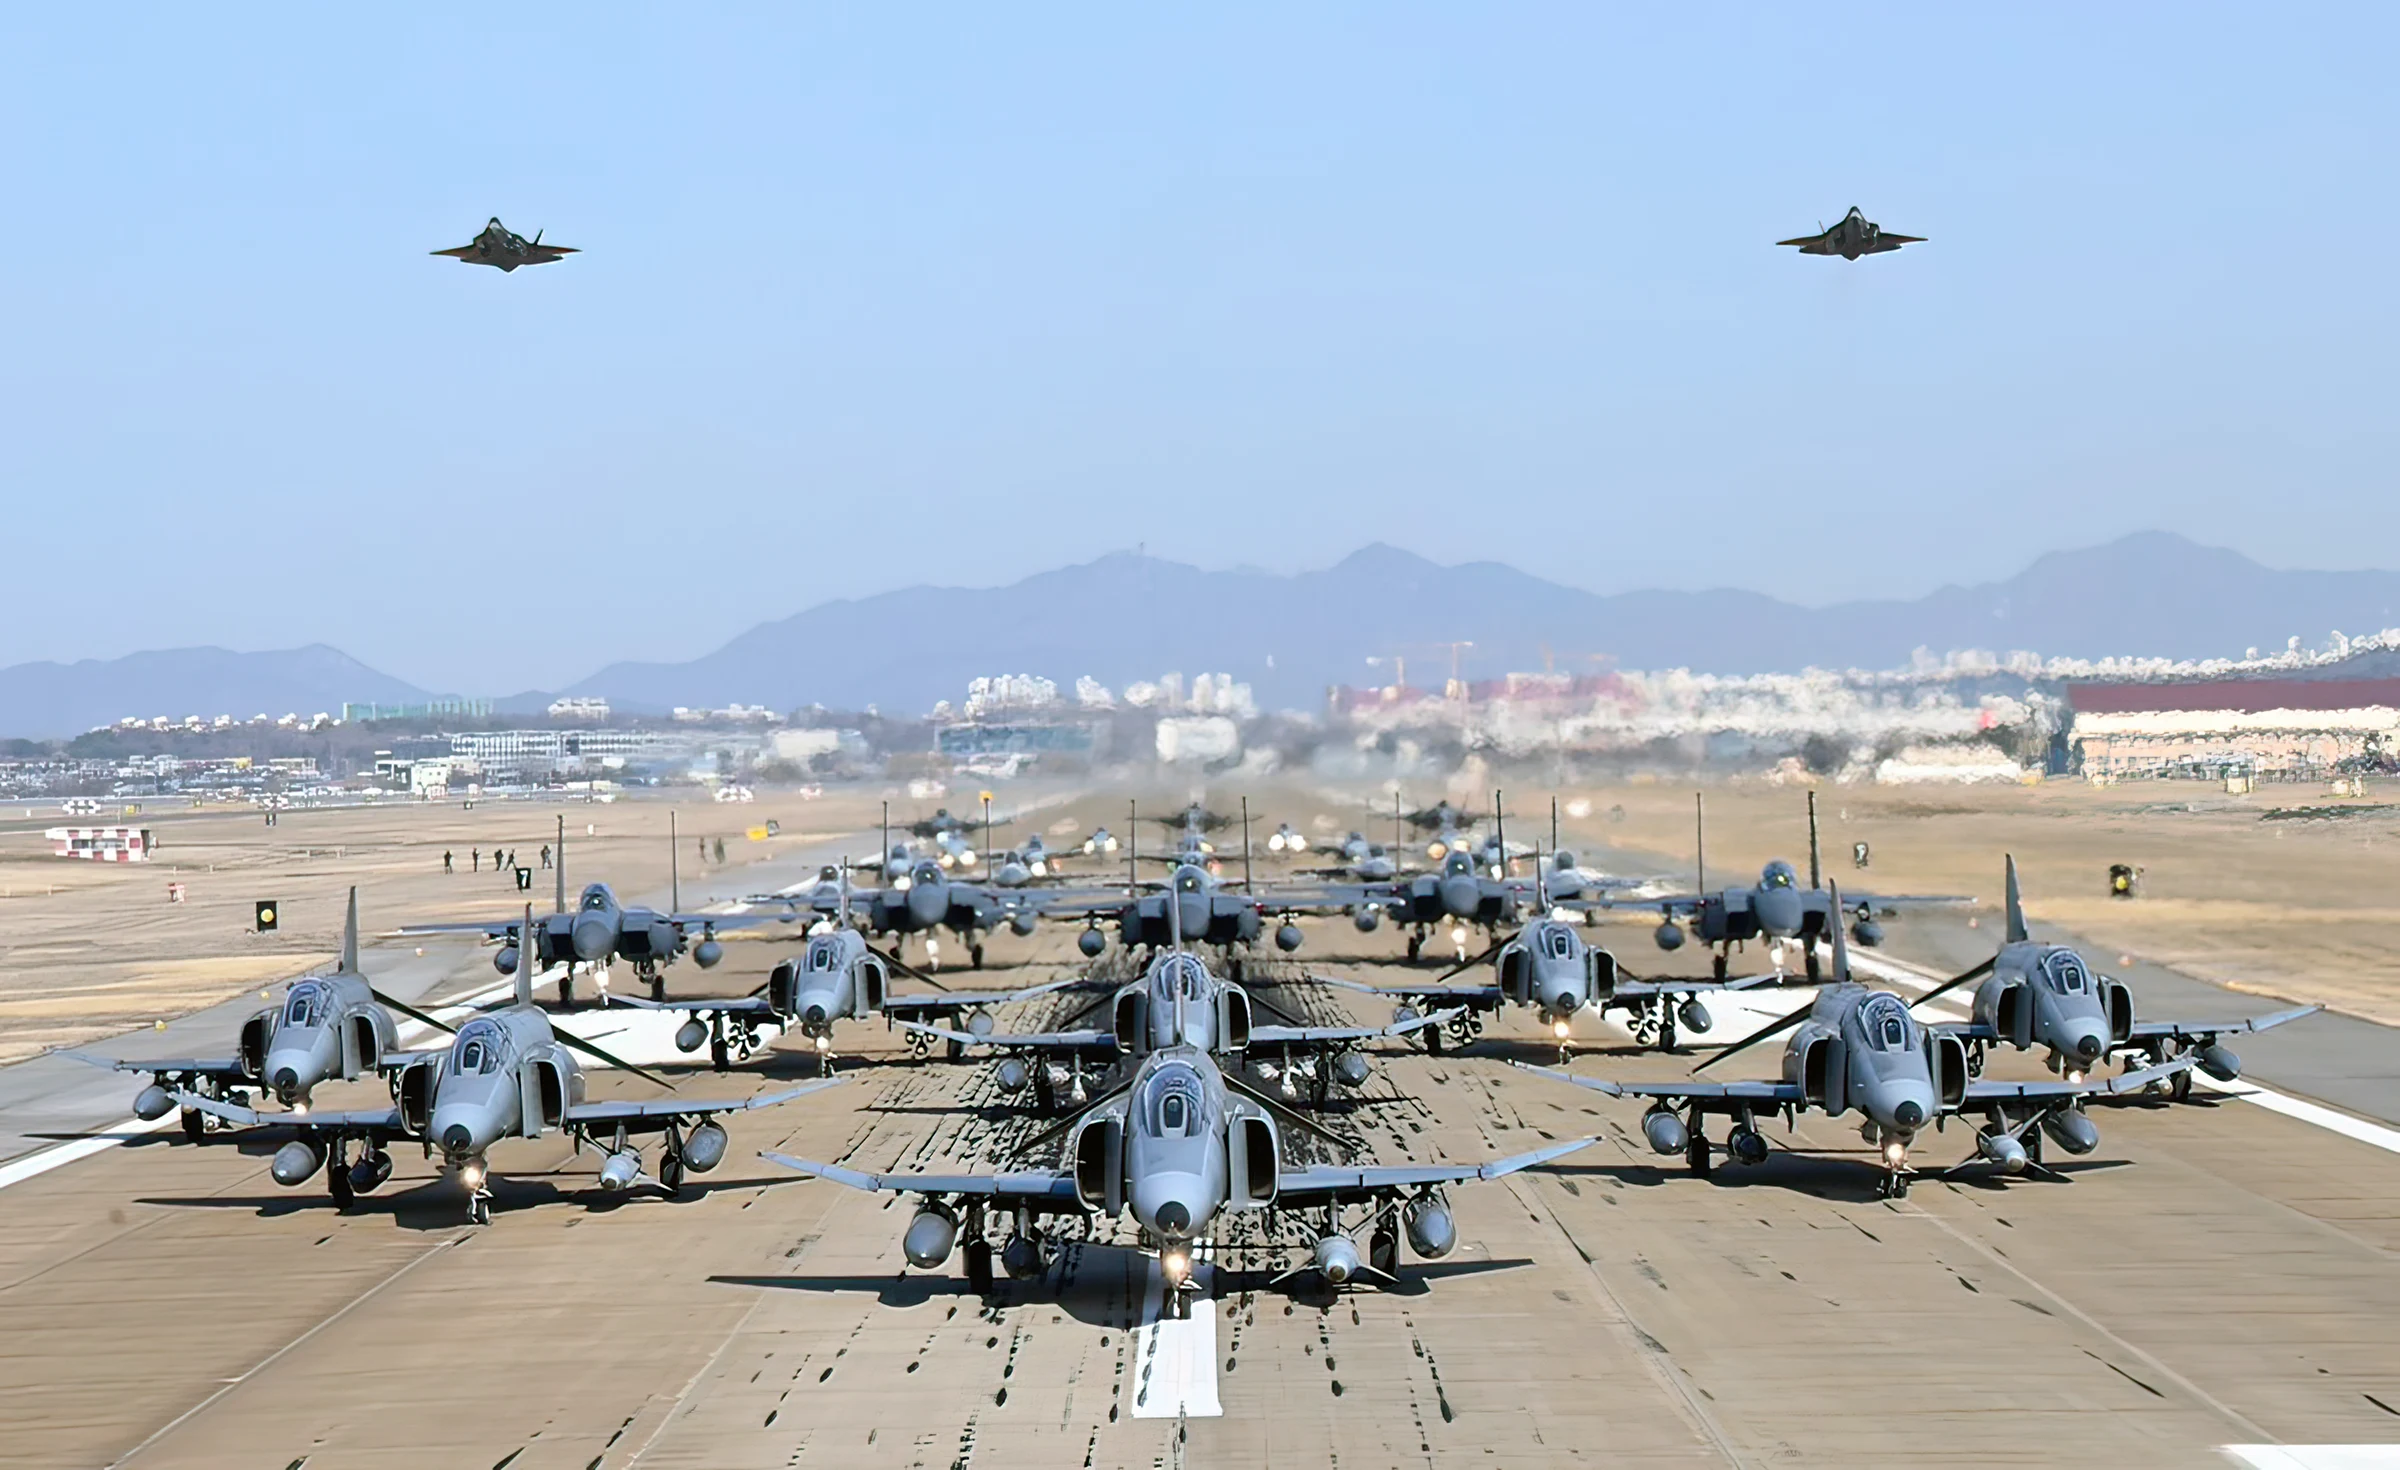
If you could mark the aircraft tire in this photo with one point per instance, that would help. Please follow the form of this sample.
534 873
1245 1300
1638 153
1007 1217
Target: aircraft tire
670 1172
1666 1028
1433 1040
955 1050
479 1211
979 1265
1383 1250
195 1125
2181 1088
1696 1155
719 1055
337 1180
975 956
566 991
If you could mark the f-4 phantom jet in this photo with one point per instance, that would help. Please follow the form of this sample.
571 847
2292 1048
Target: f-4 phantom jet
1859 1051
328 1027
507 1074
1855 235
500 246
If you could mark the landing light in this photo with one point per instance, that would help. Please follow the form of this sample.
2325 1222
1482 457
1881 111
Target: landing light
1895 1153
2074 1076
1174 1265
300 1108
824 1043
471 1175
1559 1029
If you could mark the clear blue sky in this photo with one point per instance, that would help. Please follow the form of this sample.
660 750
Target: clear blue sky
882 294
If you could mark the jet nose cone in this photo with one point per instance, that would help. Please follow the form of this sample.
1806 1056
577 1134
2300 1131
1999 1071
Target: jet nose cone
926 903
456 1138
1778 911
1910 1114
593 937
1459 895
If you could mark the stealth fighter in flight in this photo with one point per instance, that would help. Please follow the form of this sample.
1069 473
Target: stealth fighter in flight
498 245
1854 236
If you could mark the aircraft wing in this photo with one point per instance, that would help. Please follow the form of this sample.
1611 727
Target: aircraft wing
1760 1092
1636 989
1026 1041
504 929
1886 240
1030 1185
1336 1035
1414 992
227 1067
460 252
1980 1091
950 1000
721 921
739 1005
1852 902
2145 1030
1324 1179
668 1108
369 1120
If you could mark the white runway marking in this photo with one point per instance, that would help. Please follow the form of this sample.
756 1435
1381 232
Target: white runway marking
2316 1456
1175 1361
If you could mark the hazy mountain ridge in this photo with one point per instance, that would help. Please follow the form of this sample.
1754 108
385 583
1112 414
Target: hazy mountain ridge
1125 617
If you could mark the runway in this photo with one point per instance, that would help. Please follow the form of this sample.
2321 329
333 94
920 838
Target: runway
2215 1274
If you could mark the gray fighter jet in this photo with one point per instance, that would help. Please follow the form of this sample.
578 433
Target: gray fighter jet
2044 995
1859 1051
838 977
498 245
507 1074
1179 1001
1776 908
1547 967
1182 1149
1854 236
328 1026
600 929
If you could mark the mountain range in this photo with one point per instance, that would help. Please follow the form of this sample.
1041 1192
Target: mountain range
1126 617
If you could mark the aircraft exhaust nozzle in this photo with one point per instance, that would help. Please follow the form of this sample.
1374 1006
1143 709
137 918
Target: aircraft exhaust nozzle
621 1170
1694 1016
1665 1131
153 1103
506 960
1090 943
297 1162
690 1036
2220 1063
1365 918
2071 1131
2002 1149
1011 1075
1431 1232
1287 938
704 1147
929 1239
593 937
1021 1258
1350 1069
1669 935
1337 1260
706 953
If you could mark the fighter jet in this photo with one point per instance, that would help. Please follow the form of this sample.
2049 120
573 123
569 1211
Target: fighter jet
1859 1051
2044 995
1179 1001
601 929
328 1026
1099 843
1855 236
498 245
838 977
1182 1149
1033 861
1547 967
1285 838
507 1074
1776 908
1371 862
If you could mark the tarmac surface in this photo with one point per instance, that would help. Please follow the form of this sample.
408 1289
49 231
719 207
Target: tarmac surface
2215 1274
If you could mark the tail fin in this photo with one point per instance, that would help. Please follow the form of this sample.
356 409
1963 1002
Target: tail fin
1841 940
527 951
1700 840
2017 933
559 901
674 867
1816 870
350 935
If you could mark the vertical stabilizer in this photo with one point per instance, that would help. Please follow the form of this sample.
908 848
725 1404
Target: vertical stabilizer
1816 866
2017 933
527 952
1700 840
1841 941
558 903
350 935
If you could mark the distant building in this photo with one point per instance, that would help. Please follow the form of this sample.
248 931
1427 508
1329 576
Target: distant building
101 844
579 707
432 709
2298 727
